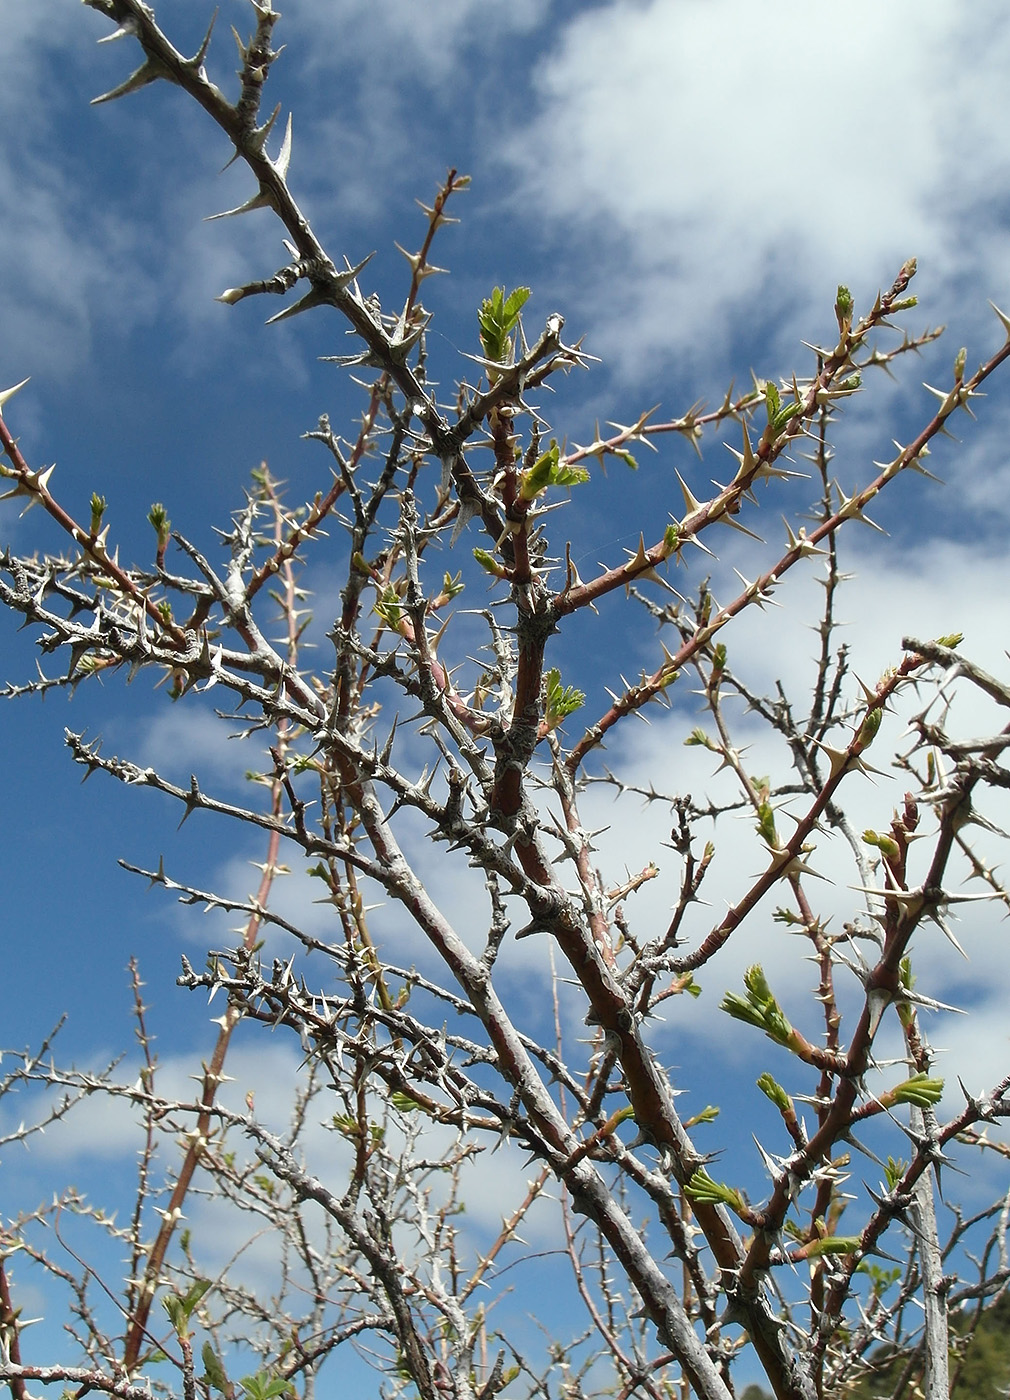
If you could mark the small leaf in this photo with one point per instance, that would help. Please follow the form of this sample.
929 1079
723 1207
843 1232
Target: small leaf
264 1386
707 1115
215 1376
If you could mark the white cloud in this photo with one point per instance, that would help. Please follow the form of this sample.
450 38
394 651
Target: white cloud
725 163
188 737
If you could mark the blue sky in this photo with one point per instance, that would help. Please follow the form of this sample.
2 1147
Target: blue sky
686 180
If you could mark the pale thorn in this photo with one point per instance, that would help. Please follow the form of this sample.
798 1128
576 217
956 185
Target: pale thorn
878 999
6 394
125 31
798 866
760 593
148 72
690 499
849 510
420 271
312 298
746 458
800 542
724 518
262 199
842 758
774 1166
1004 319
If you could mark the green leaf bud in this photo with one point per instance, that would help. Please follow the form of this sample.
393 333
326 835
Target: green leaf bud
843 310
766 825
868 728
885 844
487 561
98 507
774 1091
832 1244
894 1171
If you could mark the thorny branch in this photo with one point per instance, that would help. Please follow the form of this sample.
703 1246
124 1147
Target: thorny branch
415 1099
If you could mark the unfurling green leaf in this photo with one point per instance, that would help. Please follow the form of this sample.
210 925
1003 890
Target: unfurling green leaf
389 607
920 1090
671 540
951 640
766 825
759 1008
498 317
894 1171
559 701
158 517
549 470
181 1306
701 1187
404 1103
